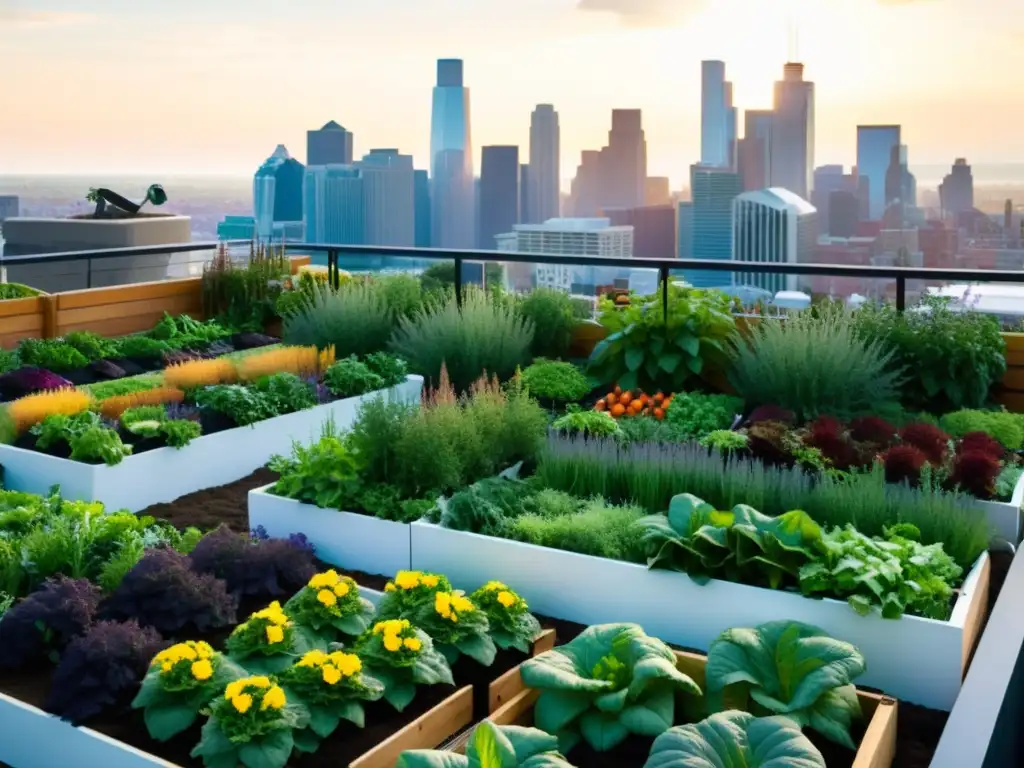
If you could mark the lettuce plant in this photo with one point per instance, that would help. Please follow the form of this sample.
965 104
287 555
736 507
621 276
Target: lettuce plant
330 605
332 687
262 568
43 624
181 681
510 622
742 545
609 682
493 746
401 657
735 739
268 641
787 668
252 725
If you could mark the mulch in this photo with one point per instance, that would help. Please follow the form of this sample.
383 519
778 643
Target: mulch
207 509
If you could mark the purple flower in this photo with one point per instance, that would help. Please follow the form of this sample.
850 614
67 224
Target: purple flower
259 533
182 411
301 542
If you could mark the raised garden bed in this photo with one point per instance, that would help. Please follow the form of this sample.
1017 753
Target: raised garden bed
916 659
1004 516
165 474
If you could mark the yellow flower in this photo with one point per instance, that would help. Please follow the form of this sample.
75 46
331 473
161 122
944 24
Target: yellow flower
313 659
234 689
392 643
202 669
462 604
242 702
413 643
341 589
494 586
389 587
391 626
347 663
407 579
274 634
260 682
166 666
274 698
325 579
443 604
506 598
204 650
331 674
327 597
430 580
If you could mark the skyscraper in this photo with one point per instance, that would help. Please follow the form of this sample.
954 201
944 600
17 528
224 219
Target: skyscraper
713 190
772 225
792 138
499 193
451 160
730 127
878 160
715 110
277 192
331 145
956 192
421 204
524 193
334 205
389 198
8 206
587 185
545 147
624 161
754 150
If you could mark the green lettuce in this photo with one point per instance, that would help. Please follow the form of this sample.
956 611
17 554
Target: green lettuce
493 746
735 740
787 668
607 683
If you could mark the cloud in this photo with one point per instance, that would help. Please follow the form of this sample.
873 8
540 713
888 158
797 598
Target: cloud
23 17
645 13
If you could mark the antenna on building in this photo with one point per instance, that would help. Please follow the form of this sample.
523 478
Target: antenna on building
793 40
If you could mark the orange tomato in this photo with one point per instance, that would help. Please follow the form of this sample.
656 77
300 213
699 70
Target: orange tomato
626 398
618 390
659 414
659 397
611 398
618 409
601 405
636 406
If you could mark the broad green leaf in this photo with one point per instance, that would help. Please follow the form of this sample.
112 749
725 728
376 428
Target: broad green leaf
322 721
213 742
735 740
480 648
151 691
400 695
689 344
556 709
306 741
488 748
270 751
601 730
353 625
164 721
652 715
695 364
527 742
634 358
670 361
431 668
352 711
431 758
628 381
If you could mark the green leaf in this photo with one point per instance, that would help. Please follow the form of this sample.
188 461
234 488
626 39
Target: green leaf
431 758
634 358
353 625
602 731
322 721
480 648
670 361
400 695
270 751
352 711
213 742
628 381
695 364
306 741
487 748
527 742
166 720
735 740
431 668
689 344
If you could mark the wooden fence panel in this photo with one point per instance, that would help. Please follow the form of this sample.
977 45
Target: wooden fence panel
20 319
1011 391
125 309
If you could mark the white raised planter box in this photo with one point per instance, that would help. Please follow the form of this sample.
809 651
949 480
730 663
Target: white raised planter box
345 539
209 461
1004 516
919 660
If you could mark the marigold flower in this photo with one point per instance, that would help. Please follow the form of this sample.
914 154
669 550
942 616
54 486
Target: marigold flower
341 589
166 666
275 634
462 604
234 689
413 643
506 598
330 674
313 659
392 643
389 587
327 597
494 586
430 580
242 702
273 698
347 663
407 579
325 579
443 604
202 669
260 681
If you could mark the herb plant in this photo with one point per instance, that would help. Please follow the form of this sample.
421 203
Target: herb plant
787 668
551 312
52 354
141 348
43 624
330 605
286 392
401 657
354 320
181 681
598 423
555 381
241 404
91 345
607 683
693 414
325 473
509 621
350 377
493 746
393 370
268 641
99 444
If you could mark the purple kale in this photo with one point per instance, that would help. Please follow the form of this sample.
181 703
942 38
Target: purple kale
107 369
42 625
163 592
301 541
102 669
182 412
28 380
261 568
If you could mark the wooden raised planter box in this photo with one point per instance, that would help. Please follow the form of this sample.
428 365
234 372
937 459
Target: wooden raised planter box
916 659
877 749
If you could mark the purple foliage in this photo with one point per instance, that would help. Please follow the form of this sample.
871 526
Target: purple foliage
254 568
102 669
259 533
301 541
323 394
107 369
28 380
178 356
45 622
163 592
182 411
771 413
252 340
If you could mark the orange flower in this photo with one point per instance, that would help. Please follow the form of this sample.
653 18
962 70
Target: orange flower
32 409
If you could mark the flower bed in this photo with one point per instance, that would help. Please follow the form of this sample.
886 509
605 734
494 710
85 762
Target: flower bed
920 660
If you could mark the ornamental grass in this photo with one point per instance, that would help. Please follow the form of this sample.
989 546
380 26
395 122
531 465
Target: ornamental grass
28 411
302 361
113 407
201 373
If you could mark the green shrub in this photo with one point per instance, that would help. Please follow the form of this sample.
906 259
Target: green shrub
349 377
646 429
52 354
724 440
290 302
141 348
143 413
1007 428
552 380
91 345
392 370
815 364
8 360
695 414
17 291
401 293
354 320
551 312
950 360
440 276
286 392
480 337
599 529
243 405
587 422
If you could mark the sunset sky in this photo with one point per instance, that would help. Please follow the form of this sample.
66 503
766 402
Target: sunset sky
162 86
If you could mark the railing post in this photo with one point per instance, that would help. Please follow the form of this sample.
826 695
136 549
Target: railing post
333 276
901 293
458 281
88 273
663 279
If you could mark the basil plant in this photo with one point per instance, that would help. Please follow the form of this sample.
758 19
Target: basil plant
493 746
609 682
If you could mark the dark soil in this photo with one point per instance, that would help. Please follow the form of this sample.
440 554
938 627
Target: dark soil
207 509
632 753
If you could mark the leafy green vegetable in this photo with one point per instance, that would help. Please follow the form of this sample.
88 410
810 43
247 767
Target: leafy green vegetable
493 746
735 740
609 682
695 414
325 473
587 422
787 668
555 380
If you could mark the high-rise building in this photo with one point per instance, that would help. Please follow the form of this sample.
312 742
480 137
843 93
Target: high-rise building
956 192
499 193
389 198
624 161
334 205
908 189
715 107
843 214
585 195
878 161
684 232
545 168
713 190
772 225
277 192
331 145
236 228
451 160
9 205
754 150
657 191
730 127
524 191
792 138
421 203
654 229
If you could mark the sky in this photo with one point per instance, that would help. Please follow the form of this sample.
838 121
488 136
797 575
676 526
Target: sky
212 86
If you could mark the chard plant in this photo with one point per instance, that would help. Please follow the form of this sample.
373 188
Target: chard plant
733 739
457 627
181 681
405 594
251 725
787 668
739 545
330 605
493 746
607 683
401 657
510 623
268 641
332 687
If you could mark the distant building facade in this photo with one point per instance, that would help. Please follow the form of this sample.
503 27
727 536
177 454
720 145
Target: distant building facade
389 198
544 196
277 192
956 192
452 192
334 206
499 193
331 145
713 191
775 226
878 161
792 138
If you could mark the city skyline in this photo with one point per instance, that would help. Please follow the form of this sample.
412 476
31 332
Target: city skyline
208 111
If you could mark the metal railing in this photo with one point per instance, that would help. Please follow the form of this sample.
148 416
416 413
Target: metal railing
335 254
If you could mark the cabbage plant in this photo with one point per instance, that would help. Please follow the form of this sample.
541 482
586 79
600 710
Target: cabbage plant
787 668
734 740
611 681
493 746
